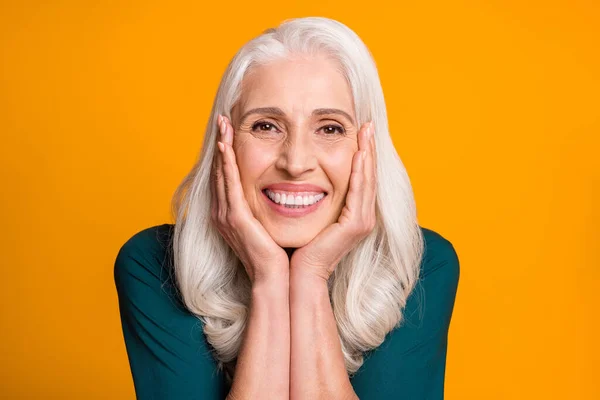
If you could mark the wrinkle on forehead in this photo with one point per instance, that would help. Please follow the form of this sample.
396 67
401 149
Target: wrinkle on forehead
297 86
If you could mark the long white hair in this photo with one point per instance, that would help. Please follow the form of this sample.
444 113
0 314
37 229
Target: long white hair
370 285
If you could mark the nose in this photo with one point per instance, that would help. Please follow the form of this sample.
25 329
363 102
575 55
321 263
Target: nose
296 155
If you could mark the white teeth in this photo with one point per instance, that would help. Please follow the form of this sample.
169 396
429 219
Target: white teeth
294 201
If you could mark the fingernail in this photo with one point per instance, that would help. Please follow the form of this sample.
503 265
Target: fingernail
221 146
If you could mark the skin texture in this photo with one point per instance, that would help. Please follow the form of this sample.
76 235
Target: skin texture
297 147
258 252
291 337
263 363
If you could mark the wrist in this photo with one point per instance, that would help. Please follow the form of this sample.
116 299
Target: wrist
273 273
273 284
308 284
308 275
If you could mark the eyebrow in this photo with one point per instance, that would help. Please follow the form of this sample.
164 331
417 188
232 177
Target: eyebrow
279 112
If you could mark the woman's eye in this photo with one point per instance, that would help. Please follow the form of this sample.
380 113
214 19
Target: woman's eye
263 126
333 129
268 127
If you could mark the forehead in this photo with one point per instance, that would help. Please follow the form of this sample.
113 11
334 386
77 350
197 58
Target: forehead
297 86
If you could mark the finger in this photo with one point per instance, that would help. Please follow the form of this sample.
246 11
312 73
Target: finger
363 136
374 172
368 185
368 168
374 151
233 181
217 158
220 181
371 179
228 131
233 186
354 196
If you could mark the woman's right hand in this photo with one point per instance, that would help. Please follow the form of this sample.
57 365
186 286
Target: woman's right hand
261 256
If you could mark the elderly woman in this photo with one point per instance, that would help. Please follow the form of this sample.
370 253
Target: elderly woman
296 267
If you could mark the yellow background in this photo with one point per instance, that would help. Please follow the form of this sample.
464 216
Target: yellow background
494 107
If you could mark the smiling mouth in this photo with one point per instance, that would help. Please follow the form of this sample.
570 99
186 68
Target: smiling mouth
293 202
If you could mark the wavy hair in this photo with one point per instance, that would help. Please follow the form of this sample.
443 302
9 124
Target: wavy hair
370 285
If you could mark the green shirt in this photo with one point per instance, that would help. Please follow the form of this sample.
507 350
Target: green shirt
170 358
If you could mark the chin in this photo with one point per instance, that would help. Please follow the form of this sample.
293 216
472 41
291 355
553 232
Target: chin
292 241
289 238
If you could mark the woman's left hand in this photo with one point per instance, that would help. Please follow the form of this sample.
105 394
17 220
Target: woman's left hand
322 254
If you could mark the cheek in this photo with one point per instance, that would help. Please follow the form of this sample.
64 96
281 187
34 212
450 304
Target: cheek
252 162
338 166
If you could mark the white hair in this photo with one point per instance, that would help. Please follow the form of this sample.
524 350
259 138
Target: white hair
370 285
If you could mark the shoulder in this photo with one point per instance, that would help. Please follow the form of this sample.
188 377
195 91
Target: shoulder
440 257
146 259
430 305
153 240
168 353
149 247
411 361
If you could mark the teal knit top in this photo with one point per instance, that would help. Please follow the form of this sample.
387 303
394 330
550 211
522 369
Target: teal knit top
170 358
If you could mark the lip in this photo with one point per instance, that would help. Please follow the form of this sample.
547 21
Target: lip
295 187
291 212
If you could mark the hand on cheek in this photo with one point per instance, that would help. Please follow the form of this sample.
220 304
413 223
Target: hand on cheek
320 256
230 213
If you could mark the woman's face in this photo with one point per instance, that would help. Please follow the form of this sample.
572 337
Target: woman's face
295 125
